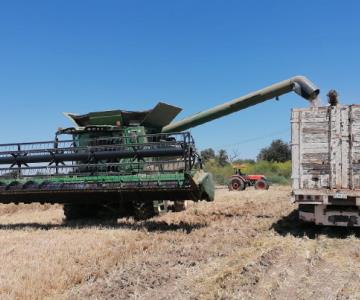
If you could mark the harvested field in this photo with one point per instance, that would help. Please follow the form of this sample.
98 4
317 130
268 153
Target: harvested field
246 245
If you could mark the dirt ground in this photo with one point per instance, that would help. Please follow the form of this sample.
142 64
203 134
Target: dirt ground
245 245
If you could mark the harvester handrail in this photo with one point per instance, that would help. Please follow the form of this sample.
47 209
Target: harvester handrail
110 147
185 134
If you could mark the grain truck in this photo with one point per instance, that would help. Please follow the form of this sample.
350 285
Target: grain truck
326 163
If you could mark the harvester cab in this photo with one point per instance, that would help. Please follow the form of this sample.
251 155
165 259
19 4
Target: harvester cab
122 163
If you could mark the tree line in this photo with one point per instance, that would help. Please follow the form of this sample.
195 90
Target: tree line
278 151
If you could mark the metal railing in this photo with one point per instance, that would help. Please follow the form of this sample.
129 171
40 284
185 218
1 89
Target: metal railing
159 153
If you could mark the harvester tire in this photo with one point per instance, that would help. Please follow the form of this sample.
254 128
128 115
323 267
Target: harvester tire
261 185
161 207
180 206
143 210
80 211
236 184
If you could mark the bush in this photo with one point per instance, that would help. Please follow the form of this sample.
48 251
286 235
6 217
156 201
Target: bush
277 179
220 174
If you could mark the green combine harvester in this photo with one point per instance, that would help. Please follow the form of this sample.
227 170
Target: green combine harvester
121 163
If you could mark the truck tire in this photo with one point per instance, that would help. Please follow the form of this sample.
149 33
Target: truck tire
236 184
307 208
261 185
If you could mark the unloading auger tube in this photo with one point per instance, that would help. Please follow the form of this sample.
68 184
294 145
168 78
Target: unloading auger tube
298 84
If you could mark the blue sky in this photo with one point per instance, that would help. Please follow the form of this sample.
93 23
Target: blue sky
81 56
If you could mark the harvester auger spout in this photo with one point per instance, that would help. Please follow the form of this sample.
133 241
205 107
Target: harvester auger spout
122 163
299 84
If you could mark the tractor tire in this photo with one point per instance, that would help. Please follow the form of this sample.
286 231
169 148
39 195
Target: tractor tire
261 185
80 211
236 184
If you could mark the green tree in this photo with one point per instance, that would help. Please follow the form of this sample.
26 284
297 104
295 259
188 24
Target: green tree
278 151
222 158
207 154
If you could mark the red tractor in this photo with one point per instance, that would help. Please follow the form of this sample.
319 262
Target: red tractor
239 181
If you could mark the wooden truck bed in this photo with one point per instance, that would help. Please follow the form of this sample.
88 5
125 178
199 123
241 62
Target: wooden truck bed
326 157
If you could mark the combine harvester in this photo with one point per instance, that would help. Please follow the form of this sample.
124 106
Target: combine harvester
122 163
